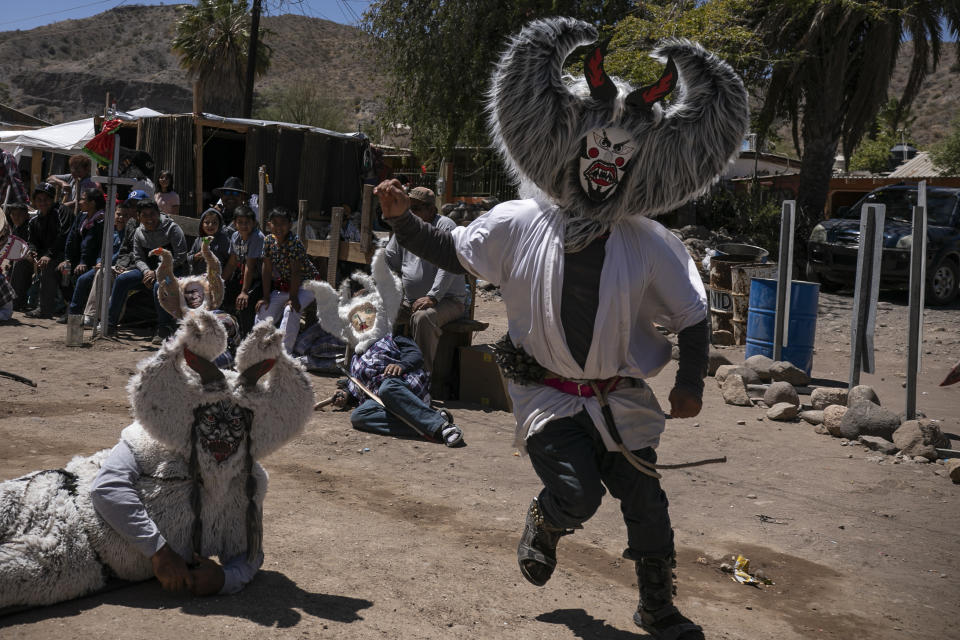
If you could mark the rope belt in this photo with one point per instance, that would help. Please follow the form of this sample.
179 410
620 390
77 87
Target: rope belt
599 389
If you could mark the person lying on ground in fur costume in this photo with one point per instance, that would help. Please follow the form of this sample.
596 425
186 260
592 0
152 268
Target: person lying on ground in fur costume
585 274
389 366
180 296
181 486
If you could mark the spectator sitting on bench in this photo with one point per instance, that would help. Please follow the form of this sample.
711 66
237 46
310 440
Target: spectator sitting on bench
156 231
432 297
83 248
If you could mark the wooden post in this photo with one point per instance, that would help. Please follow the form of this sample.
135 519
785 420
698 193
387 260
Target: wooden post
918 262
198 165
197 98
336 219
36 169
867 292
262 192
366 218
781 324
301 218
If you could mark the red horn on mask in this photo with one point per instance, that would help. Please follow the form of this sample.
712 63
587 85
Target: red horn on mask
645 97
210 374
601 86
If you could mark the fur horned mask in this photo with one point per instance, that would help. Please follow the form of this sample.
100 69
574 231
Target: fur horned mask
600 149
221 421
362 319
180 296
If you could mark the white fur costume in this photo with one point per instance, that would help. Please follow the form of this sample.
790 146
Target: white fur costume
53 544
383 291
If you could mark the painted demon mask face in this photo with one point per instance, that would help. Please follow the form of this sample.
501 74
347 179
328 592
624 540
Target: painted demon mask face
221 427
363 317
604 159
194 294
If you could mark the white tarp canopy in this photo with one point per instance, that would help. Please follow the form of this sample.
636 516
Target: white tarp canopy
66 138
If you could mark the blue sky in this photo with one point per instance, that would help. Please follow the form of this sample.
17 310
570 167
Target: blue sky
27 15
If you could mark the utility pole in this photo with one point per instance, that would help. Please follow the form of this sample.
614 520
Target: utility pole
252 59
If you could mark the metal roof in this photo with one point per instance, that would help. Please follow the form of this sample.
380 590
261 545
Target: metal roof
921 166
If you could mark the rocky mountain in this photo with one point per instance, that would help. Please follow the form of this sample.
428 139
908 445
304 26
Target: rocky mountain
63 71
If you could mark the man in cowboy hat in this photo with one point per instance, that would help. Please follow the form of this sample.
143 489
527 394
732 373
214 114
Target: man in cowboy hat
231 195
432 297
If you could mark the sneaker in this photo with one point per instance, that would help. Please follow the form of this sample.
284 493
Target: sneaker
450 433
37 315
87 321
62 319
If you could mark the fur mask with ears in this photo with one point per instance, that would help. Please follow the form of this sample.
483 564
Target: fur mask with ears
382 293
600 149
173 291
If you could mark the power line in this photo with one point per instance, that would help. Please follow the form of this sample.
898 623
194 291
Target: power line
53 13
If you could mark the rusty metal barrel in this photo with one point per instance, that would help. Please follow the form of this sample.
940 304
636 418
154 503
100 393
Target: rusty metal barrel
728 304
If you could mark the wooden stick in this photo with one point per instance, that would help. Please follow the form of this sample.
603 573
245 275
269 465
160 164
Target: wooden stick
336 219
13 376
320 405
301 218
366 218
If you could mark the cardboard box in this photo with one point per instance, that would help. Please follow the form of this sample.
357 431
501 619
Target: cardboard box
480 379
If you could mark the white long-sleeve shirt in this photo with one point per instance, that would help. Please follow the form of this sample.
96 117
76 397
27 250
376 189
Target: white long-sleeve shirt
114 496
647 277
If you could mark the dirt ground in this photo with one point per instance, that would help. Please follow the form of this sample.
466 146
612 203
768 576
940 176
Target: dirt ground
414 540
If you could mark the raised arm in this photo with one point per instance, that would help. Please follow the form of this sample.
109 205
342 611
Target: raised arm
413 234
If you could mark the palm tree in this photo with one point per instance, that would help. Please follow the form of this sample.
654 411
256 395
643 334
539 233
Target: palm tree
211 40
832 63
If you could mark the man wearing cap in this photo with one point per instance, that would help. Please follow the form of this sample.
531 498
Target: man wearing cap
432 296
47 236
231 196
155 231
75 182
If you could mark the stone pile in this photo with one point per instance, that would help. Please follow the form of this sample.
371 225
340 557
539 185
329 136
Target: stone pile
856 416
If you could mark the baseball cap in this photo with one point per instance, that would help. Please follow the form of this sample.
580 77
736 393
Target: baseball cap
423 194
47 188
135 196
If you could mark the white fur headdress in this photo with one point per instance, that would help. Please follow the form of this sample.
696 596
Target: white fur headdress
273 389
539 123
170 293
383 290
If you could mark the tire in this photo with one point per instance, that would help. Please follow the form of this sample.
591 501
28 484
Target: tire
825 285
942 283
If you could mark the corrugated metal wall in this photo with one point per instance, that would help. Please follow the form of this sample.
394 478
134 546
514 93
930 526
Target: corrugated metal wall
169 140
313 171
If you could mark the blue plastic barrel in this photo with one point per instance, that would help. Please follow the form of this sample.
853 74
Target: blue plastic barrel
802 327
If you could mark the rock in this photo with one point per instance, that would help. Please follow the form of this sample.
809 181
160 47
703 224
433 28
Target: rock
813 416
717 358
862 392
832 417
822 430
920 438
761 364
868 419
749 375
723 338
675 352
789 372
953 469
485 286
878 444
734 391
822 397
781 392
782 411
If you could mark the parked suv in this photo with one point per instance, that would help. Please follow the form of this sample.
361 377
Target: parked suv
833 245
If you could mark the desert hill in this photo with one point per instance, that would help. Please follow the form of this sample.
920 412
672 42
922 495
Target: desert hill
62 71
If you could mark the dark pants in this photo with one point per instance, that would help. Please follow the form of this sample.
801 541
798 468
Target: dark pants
574 465
132 280
21 276
399 401
246 317
49 285
81 291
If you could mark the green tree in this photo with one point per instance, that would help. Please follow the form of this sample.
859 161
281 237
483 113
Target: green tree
440 55
211 41
303 102
946 154
873 154
831 66
719 25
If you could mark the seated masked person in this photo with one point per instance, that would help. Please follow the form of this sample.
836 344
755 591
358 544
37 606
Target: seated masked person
180 296
386 365
182 486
